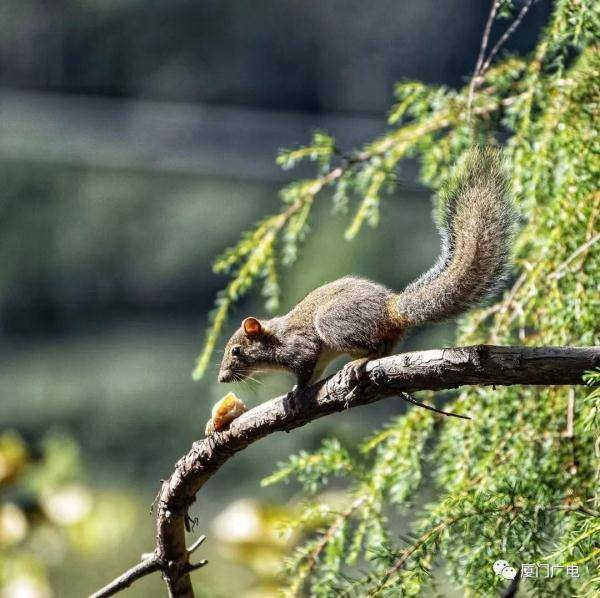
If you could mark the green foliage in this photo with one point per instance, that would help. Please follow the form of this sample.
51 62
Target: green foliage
313 469
320 150
520 481
387 469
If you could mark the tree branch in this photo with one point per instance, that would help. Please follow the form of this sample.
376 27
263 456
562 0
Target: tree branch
504 37
140 570
481 67
408 372
481 56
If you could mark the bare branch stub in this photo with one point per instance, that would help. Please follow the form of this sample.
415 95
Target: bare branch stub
404 373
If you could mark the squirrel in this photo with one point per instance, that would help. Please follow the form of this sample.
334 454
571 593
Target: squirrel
365 320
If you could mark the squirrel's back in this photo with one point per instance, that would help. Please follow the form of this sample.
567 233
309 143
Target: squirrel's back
476 223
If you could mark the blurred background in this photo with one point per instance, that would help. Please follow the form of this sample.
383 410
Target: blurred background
137 140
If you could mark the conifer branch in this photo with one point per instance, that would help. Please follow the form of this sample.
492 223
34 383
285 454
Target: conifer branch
436 531
408 372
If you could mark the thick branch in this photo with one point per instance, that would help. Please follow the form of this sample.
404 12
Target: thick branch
423 370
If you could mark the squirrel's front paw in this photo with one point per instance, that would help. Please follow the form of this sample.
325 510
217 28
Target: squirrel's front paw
353 371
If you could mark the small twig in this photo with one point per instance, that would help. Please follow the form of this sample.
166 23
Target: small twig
197 565
583 248
504 37
411 399
483 65
196 544
590 512
124 581
482 49
407 553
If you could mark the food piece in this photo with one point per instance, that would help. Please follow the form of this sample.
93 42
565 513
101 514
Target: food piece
224 412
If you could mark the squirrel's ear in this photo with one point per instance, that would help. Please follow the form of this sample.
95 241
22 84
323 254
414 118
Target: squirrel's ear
252 326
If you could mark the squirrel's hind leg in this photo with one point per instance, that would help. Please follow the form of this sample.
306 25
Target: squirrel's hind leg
354 370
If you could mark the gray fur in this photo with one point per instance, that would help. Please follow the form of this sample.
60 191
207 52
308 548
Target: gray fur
476 226
364 319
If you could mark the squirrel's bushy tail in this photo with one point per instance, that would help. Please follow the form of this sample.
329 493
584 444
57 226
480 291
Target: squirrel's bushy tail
476 226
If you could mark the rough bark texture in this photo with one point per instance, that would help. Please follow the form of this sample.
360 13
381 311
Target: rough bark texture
423 370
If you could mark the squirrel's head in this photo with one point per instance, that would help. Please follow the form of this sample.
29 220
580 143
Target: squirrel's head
251 347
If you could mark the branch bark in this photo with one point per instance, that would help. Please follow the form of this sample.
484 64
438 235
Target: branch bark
408 372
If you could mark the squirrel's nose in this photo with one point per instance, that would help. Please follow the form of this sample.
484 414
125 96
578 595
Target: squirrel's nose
223 376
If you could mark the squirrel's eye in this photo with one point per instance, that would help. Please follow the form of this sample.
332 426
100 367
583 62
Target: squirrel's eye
236 351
